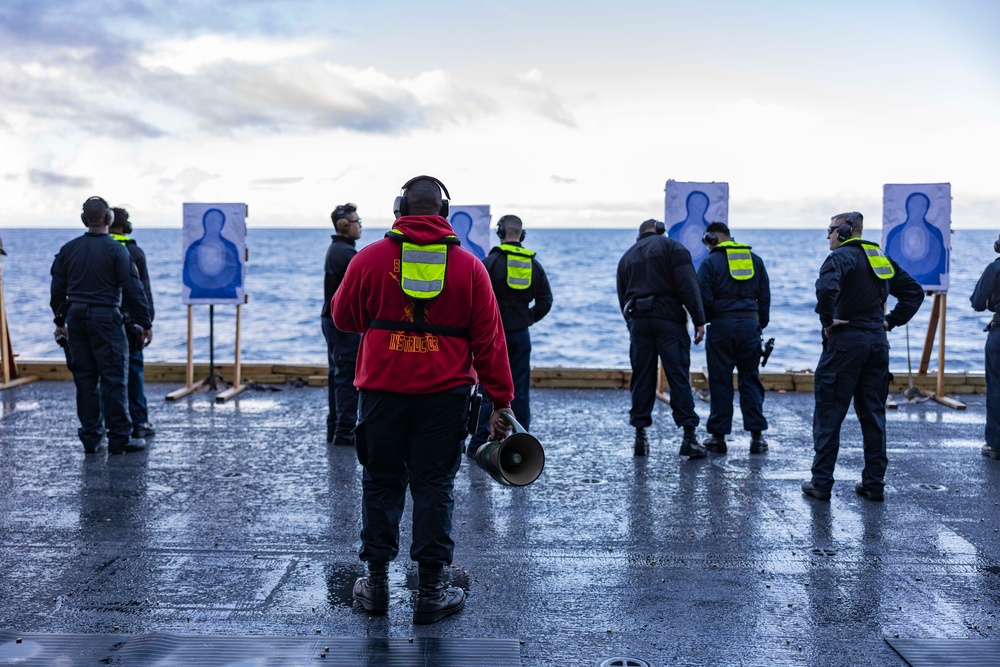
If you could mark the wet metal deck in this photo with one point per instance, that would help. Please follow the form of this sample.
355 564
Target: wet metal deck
239 521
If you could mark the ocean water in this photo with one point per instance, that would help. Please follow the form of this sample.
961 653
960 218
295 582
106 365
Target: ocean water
584 328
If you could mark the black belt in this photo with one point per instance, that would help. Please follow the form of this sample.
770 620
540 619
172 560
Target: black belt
418 325
737 315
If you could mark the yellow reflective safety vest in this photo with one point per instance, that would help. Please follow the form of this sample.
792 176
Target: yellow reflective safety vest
121 238
422 268
518 265
421 275
740 260
877 259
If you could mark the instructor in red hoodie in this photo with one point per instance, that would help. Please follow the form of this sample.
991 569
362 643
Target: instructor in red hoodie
430 327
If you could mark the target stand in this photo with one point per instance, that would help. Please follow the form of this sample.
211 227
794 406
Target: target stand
209 382
9 376
937 321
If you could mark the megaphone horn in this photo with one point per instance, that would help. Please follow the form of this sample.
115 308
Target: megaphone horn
517 460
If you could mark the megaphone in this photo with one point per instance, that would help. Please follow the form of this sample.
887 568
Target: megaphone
517 460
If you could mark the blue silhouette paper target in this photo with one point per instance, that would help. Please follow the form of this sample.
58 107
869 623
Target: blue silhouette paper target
916 231
214 240
472 227
688 210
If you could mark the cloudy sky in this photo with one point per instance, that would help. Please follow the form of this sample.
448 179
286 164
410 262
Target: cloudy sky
568 113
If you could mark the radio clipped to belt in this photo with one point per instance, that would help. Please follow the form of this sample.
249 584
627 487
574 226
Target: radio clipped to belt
475 404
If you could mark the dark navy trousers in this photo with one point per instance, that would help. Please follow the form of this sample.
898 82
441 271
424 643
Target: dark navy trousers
651 339
415 441
734 343
854 365
519 355
138 409
97 355
342 397
993 388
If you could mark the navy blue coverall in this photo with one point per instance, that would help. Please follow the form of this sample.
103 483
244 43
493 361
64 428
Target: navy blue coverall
656 285
93 278
986 296
737 312
855 359
341 349
517 315
138 407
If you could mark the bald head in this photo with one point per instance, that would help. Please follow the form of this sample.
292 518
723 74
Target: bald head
423 197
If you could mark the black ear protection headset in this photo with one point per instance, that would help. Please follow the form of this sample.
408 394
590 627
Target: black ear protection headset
502 227
996 245
109 215
712 238
401 207
658 226
342 211
846 230
126 223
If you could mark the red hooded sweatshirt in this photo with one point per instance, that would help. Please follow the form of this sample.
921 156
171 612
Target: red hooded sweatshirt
410 362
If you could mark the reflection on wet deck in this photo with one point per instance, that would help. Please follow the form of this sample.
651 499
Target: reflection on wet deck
239 521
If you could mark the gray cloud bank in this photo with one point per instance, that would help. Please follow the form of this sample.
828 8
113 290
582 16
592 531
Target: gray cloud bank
51 179
87 67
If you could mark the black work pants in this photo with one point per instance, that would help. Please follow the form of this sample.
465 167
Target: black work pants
993 388
854 365
734 343
97 355
410 440
519 356
342 397
651 339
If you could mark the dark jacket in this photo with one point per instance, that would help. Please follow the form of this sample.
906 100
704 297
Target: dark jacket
97 270
139 259
724 296
847 289
515 309
338 256
659 267
986 296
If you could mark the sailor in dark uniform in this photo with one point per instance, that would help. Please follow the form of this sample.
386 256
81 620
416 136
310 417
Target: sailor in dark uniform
657 289
736 294
986 296
93 279
854 283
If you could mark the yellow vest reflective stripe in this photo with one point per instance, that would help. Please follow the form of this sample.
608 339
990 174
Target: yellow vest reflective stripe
121 238
422 267
876 259
518 265
740 260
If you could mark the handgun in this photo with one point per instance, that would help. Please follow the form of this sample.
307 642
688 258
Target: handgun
766 351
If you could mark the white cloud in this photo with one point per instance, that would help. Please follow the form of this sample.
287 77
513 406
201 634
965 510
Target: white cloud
188 56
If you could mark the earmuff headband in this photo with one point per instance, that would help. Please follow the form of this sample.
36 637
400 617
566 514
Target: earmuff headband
109 215
401 206
502 227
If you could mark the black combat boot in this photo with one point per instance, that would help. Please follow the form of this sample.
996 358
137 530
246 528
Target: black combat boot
715 443
372 592
330 435
690 446
435 599
758 445
641 447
